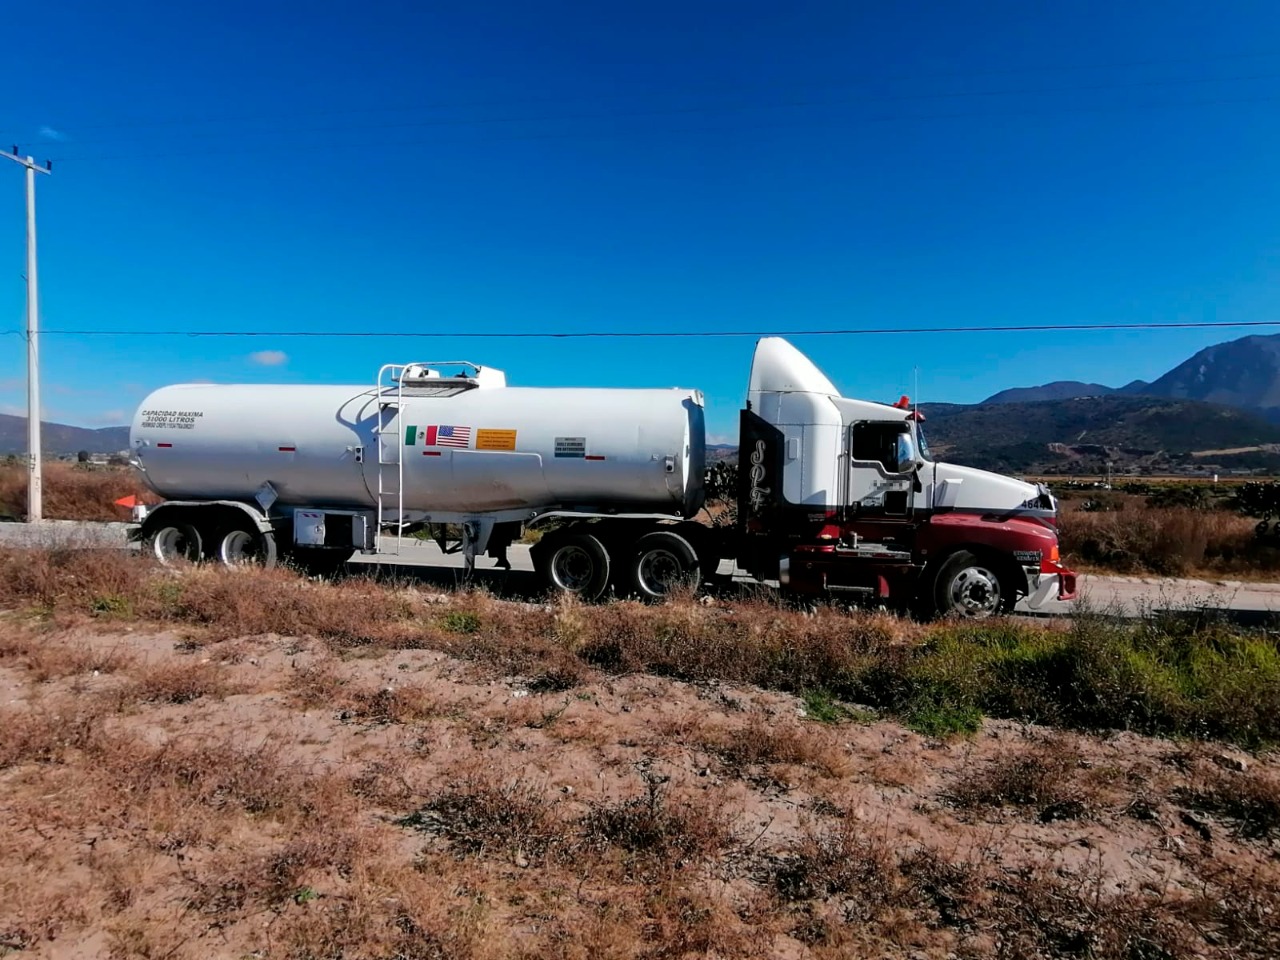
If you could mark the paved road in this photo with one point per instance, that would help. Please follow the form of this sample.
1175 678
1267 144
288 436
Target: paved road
1124 596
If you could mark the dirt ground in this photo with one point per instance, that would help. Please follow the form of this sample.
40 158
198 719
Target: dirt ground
169 794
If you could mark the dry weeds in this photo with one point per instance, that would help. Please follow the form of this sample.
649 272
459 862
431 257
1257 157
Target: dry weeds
73 491
322 787
1169 541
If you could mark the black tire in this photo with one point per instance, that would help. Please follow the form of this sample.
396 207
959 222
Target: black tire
243 547
662 561
972 587
174 542
577 563
315 562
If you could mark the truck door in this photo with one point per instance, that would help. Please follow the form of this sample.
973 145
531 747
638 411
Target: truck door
880 480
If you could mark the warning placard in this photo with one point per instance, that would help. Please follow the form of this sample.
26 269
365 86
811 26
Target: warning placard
575 447
495 439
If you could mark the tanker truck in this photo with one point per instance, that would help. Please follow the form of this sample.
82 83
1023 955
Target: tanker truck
835 496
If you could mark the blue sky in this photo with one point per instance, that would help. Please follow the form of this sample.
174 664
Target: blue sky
452 169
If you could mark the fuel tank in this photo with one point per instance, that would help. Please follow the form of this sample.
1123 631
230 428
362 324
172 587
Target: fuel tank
470 446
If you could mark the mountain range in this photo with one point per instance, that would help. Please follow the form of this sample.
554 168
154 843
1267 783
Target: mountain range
1084 434
1242 373
60 438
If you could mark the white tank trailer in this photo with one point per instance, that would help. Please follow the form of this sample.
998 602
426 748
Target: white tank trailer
250 473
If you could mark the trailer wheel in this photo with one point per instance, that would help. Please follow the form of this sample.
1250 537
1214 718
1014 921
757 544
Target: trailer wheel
662 562
577 564
972 587
174 542
243 548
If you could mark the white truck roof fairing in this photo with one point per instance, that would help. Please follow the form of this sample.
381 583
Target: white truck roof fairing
779 368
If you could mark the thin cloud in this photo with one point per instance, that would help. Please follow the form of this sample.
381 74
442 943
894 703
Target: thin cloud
49 133
269 358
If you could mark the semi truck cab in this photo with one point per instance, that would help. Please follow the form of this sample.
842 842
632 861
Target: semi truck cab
840 495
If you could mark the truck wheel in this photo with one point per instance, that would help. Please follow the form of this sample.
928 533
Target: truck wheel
970 586
242 548
662 562
577 564
174 542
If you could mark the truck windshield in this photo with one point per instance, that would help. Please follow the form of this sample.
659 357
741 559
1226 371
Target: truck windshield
921 443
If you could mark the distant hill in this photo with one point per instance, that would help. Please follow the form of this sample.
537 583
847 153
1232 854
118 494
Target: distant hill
59 438
1242 373
721 451
1058 390
1033 436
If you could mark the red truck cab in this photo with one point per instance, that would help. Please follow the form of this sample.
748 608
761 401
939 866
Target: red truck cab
841 496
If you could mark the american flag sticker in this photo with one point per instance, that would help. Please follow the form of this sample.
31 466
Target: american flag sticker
447 436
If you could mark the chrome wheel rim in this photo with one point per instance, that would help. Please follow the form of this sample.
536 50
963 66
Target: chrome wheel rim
238 549
170 544
658 571
975 592
572 569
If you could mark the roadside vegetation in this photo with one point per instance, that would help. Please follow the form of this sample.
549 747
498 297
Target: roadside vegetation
1174 675
205 763
1182 529
71 491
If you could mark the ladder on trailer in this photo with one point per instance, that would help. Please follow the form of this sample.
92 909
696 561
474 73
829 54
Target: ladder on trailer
390 493
395 382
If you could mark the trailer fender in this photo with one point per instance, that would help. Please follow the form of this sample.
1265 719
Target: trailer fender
198 513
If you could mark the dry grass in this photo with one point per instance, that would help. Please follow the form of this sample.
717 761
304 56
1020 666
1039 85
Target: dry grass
72 491
48 734
49 658
764 742
177 682
856 890
324 687
481 815
1169 541
1166 676
1045 778
362 798
131 829
1249 801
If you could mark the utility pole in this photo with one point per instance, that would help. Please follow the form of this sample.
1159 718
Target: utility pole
35 503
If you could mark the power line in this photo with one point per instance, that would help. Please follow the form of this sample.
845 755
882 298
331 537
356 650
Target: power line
673 334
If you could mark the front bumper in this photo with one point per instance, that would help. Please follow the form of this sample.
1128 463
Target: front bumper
1055 582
